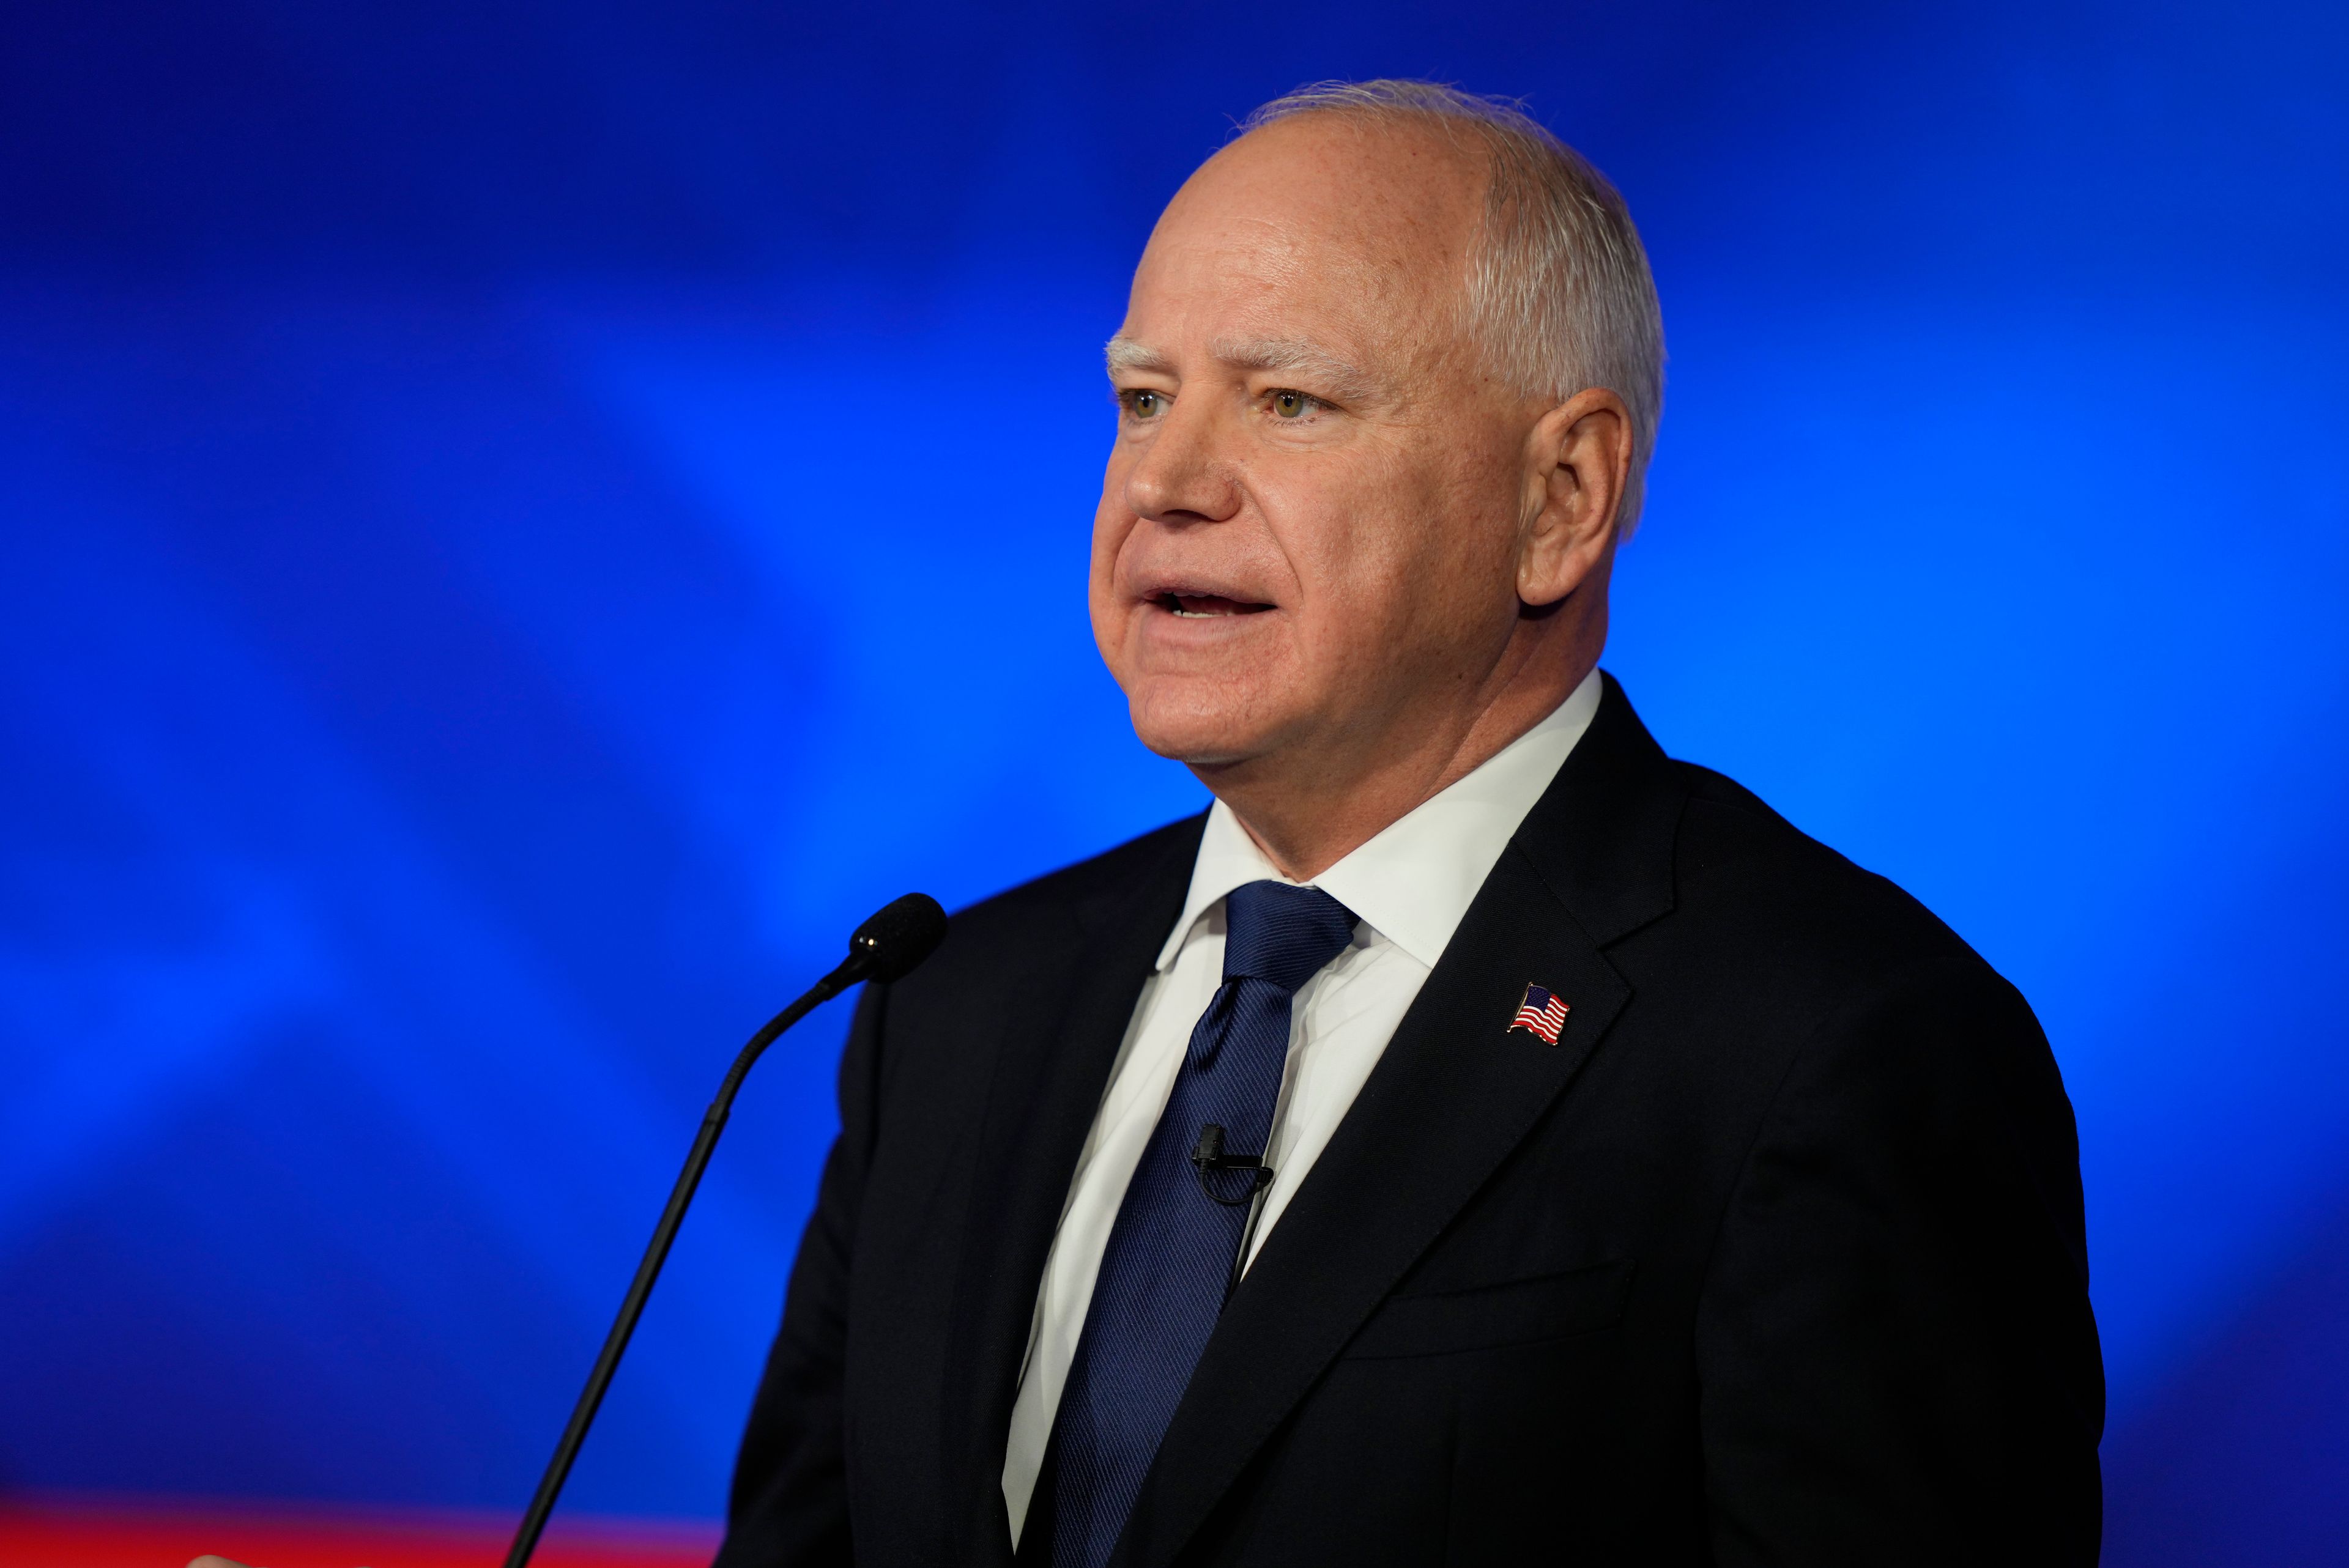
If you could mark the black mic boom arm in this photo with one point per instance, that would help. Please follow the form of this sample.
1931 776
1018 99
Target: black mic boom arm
884 948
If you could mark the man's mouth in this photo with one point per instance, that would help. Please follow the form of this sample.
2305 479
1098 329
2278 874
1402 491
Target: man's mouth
1203 607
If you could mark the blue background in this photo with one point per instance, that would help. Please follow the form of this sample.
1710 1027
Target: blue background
520 522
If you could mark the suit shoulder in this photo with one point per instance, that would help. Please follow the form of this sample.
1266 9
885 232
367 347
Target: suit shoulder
1048 901
1746 871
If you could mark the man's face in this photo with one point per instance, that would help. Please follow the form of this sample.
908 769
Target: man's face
1308 528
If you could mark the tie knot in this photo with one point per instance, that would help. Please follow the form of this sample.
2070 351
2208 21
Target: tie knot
1282 934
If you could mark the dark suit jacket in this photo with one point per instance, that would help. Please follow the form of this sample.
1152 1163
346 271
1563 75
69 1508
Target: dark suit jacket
1775 1257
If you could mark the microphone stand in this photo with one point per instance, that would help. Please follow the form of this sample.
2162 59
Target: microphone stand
878 951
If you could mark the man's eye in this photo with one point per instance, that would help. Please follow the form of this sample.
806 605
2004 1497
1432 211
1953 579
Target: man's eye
1145 404
1287 405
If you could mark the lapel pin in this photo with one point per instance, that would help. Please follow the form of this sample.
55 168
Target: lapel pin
1542 1013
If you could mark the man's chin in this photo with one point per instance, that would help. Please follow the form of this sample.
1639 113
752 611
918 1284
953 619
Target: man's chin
1202 735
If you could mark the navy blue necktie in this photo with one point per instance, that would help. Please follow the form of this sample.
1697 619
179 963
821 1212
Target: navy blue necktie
1170 1255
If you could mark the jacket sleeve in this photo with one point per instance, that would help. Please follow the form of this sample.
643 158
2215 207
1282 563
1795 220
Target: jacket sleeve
1897 1358
789 1507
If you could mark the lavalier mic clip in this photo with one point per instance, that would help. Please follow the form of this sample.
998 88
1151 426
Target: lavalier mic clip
1209 1160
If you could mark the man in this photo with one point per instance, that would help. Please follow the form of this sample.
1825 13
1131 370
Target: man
1479 1139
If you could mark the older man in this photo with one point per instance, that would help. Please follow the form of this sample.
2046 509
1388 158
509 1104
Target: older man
1478 1138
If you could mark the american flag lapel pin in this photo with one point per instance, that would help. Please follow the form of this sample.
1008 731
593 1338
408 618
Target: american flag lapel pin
1541 1011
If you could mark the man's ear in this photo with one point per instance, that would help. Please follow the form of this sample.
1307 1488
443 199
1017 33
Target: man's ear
1577 464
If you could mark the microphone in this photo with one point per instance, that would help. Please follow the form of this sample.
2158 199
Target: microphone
884 948
1207 1155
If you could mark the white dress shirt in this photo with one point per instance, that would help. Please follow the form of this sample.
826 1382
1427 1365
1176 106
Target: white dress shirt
1410 886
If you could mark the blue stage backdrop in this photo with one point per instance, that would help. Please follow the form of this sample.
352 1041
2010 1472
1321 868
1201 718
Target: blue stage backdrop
519 523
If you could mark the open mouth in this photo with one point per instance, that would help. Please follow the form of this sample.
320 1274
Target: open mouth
1203 607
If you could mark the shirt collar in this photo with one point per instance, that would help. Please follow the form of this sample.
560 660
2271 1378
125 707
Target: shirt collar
1412 882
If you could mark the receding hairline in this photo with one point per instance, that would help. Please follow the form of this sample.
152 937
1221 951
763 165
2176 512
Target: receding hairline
1560 294
1449 135
1343 379
1369 136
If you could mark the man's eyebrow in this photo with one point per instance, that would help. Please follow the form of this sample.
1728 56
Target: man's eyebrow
1343 382
1124 353
1334 376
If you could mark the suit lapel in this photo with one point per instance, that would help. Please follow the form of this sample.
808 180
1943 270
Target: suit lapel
1049 1078
1455 1091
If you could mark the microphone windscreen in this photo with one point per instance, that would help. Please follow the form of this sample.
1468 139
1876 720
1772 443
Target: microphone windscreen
898 936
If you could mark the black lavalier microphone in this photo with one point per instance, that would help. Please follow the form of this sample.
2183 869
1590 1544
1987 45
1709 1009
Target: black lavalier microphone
886 947
1209 1160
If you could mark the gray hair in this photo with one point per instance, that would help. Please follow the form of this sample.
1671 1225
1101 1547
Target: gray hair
1559 294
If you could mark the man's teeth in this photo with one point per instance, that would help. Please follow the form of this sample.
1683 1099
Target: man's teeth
1222 609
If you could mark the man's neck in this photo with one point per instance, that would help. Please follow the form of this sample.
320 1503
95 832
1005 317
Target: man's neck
1308 812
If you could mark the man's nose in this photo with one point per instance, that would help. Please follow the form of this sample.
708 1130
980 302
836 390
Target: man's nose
1185 473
